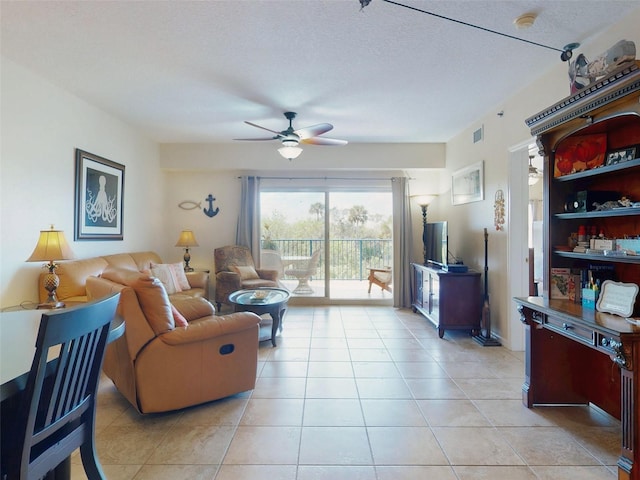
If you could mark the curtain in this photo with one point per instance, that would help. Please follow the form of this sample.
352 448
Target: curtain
402 240
248 229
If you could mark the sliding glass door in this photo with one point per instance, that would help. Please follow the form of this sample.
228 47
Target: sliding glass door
326 241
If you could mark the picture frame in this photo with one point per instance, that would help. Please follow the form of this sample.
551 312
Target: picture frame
617 298
621 155
467 184
99 198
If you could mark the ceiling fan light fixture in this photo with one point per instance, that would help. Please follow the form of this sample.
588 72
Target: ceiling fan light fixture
534 174
289 152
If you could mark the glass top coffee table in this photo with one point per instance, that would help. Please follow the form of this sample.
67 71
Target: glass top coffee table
261 301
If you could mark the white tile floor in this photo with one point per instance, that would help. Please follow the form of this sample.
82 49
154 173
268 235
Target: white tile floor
363 394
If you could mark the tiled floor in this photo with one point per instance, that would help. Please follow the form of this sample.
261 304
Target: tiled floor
363 394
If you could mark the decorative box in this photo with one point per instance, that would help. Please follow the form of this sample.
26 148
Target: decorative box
589 298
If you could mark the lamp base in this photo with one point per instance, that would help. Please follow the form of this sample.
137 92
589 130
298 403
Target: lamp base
50 305
486 341
188 269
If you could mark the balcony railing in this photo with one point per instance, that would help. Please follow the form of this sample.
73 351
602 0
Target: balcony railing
350 259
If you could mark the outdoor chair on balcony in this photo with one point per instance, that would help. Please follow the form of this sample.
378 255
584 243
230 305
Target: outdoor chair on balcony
303 273
381 277
271 260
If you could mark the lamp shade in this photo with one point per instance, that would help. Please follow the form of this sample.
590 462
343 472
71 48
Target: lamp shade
187 239
424 199
290 152
52 245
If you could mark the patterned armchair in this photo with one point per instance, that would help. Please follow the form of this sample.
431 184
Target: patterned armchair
235 270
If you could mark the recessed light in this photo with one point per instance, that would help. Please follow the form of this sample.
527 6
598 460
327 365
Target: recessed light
526 20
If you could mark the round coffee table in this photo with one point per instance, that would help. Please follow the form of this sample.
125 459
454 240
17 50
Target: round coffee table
274 303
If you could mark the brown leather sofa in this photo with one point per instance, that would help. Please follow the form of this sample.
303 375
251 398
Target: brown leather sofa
74 273
159 366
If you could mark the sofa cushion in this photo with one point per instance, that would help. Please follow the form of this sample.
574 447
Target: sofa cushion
171 275
151 294
246 272
73 276
121 260
192 308
145 259
178 318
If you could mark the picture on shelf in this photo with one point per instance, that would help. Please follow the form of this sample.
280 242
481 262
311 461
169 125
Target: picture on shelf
579 153
561 283
622 155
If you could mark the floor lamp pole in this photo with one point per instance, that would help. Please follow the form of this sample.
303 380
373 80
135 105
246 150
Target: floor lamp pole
424 233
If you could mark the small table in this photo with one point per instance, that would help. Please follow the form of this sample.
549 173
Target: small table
274 303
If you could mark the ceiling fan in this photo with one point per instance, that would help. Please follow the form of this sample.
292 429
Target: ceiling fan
290 138
534 173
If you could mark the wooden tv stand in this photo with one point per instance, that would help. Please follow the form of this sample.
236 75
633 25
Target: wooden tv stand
576 355
451 301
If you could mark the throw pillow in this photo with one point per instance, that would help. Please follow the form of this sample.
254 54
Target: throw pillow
178 318
171 275
181 277
245 272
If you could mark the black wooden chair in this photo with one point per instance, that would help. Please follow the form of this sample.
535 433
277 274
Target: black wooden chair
57 414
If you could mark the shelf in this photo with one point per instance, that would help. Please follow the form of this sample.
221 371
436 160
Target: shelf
599 171
615 212
599 258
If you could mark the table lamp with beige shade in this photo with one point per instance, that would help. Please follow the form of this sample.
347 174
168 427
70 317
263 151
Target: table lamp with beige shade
187 239
52 245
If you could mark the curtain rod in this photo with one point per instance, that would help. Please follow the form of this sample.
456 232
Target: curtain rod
327 178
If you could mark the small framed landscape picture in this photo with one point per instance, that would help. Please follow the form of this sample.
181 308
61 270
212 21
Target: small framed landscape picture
99 198
621 155
467 184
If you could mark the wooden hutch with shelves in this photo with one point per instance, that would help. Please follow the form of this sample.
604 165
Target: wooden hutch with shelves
574 353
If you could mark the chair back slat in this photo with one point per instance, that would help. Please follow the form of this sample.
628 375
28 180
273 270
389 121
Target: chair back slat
58 412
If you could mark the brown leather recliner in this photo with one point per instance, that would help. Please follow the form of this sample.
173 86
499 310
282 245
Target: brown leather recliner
159 366
236 270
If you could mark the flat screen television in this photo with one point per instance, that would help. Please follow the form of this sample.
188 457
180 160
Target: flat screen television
435 238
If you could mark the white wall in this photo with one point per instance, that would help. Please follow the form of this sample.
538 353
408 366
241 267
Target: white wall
264 156
193 171
501 133
42 126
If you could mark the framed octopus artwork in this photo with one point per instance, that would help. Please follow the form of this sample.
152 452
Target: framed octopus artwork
99 198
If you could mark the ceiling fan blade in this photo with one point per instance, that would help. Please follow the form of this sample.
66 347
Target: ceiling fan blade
313 130
332 142
256 139
263 128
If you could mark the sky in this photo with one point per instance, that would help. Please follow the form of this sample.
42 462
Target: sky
295 205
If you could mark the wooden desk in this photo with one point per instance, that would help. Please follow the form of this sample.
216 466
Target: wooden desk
577 356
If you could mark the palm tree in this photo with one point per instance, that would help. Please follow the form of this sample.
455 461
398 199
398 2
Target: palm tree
317 209
358 215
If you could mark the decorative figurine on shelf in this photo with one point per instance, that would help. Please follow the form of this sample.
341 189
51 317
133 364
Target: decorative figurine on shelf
582 72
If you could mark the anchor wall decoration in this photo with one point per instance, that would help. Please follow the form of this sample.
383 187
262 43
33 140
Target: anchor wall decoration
210 212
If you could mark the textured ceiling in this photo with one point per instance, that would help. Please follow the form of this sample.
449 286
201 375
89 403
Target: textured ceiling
193 71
